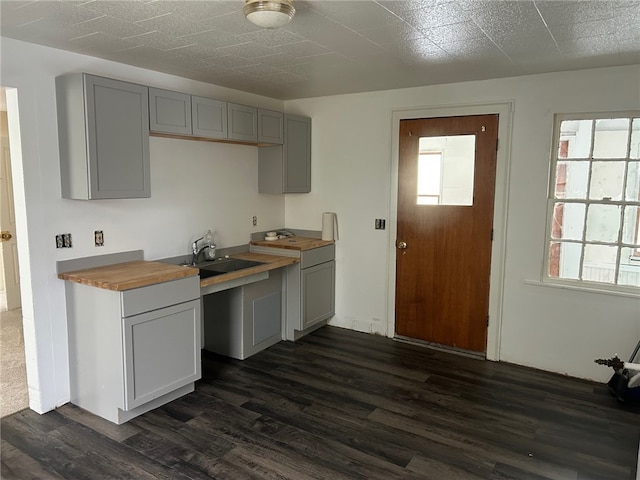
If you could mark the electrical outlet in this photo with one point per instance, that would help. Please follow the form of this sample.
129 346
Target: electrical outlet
99 238
380 224
63 240
255 221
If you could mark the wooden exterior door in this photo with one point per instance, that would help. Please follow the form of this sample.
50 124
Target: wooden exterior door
444 250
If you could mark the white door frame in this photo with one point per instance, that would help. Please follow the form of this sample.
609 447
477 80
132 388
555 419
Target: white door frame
498 249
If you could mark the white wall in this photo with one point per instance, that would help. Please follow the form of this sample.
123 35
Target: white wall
548 328
194 186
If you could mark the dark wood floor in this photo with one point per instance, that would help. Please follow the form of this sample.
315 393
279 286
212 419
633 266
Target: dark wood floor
344 405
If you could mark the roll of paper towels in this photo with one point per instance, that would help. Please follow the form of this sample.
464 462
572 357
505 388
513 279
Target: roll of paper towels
329 226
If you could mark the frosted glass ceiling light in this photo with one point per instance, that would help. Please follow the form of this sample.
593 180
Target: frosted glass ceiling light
269 13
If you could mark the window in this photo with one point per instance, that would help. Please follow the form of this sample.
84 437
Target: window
446 170
594 201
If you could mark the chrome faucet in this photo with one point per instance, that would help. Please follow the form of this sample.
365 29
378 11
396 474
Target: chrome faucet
196 251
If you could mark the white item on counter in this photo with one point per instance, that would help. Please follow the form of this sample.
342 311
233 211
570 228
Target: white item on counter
270 238
329 226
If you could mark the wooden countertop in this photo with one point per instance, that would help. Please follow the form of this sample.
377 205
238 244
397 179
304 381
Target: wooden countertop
141 273
128 275
269 262
294 243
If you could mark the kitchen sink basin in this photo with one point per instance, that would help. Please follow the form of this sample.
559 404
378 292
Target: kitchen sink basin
224 265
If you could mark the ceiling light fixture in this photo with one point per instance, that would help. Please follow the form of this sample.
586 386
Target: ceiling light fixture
269 13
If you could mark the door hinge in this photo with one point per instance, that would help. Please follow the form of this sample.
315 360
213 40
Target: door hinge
492 234
497 144
487 320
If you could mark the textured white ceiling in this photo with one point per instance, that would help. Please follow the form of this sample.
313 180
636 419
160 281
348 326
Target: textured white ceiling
333 46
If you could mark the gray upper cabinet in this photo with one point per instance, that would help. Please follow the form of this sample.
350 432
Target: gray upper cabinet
103 136
270 126
242 122
169 112
209 117
287 168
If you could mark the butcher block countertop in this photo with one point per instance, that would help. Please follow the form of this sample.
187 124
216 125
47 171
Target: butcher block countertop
142 273
294 243
128 275
270 262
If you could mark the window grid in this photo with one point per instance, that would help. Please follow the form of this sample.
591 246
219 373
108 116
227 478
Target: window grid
557 201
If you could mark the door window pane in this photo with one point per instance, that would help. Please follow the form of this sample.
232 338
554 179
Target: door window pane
629 273
446 168
429 178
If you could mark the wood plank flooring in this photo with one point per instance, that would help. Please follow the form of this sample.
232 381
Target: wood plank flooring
344 405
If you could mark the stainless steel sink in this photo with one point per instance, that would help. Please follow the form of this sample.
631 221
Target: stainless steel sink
224 265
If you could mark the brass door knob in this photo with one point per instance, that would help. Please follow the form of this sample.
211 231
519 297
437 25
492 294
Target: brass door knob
402 245
4 236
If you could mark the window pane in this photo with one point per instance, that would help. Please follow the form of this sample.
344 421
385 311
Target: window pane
611 138
578 135
607 180
633 182
572 179
599 263
631 229
603 223
568 219
457 165
629 268
635 139
564 260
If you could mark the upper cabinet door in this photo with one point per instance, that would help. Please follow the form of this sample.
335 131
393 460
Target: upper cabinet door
103 130
209 117
270 127
243 122
169 112
297 154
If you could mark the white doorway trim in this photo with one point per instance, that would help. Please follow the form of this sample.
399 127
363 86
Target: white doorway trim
498 250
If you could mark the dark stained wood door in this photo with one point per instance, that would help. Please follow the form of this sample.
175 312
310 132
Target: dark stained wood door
442 275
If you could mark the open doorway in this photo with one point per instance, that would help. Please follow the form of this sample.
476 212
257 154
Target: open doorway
14 392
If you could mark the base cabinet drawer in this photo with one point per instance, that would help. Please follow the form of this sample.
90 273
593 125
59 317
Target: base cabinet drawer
161 352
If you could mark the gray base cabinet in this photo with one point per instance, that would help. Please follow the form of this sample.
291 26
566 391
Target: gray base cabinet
242 321
287 168
310 290
132 351
309 287
103 137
